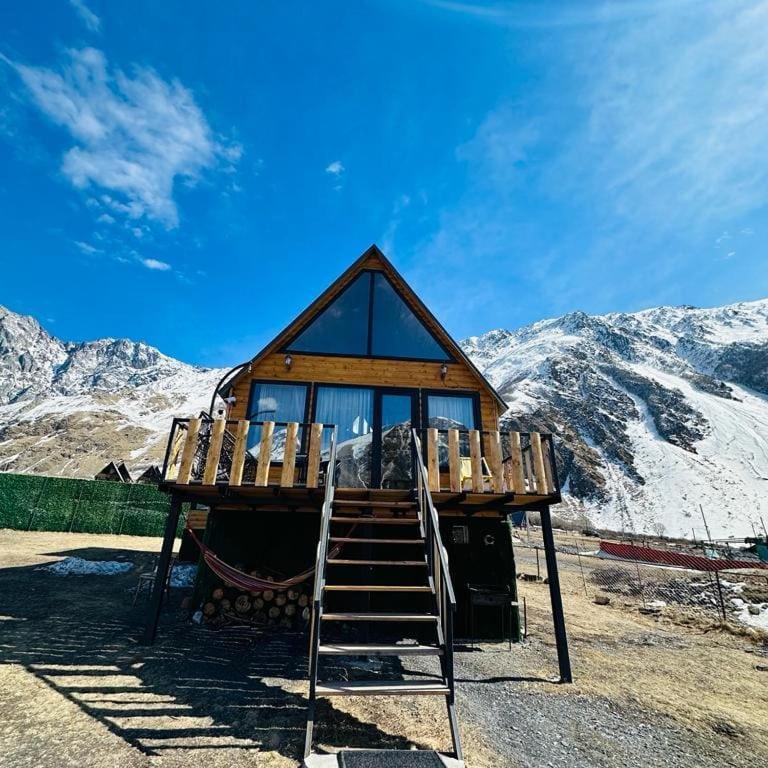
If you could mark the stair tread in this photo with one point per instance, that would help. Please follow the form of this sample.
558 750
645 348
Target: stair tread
355 540
383 688
378 588
376 520
376 616
377 562
374 504
372 649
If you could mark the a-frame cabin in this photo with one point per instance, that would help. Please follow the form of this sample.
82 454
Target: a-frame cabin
362 439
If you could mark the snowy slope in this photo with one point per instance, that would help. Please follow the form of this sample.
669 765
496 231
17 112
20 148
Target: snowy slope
659 411
66 409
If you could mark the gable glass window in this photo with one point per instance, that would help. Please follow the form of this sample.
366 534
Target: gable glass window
342 327
351 410
275 402
369 319
397 332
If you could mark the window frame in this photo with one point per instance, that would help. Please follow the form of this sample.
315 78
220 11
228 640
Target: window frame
290 383
470 393
368 355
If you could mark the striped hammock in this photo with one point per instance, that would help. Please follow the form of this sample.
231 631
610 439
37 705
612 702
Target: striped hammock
245 581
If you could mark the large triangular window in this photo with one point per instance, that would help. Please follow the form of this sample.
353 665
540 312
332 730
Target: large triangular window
369 318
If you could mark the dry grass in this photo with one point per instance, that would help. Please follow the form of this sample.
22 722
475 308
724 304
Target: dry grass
699 672
78 690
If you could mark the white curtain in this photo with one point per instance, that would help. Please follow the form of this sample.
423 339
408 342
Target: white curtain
451 412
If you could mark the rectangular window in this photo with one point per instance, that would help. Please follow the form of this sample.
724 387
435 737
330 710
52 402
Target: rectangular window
275 402
351 410
451 411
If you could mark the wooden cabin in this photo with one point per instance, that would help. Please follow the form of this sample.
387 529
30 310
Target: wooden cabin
360 421
115 472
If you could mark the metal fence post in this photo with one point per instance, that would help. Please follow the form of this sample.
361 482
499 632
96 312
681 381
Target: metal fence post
720 594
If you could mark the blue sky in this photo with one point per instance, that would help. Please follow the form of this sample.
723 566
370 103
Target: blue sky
193 174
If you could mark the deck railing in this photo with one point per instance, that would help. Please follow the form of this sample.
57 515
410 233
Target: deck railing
490 461
208 451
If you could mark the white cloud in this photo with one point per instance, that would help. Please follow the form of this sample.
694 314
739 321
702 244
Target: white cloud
160 266
677 114
87 16
134 135
86 248
336 168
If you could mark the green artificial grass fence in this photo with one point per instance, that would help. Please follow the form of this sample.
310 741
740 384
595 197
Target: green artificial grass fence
34 503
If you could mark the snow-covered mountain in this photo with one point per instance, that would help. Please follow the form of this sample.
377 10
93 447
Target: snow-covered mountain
66 409
657 412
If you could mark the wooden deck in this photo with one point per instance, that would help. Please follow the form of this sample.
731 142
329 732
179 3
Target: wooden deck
283 465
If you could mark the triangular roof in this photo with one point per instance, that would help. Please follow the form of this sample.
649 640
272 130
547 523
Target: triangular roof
371 259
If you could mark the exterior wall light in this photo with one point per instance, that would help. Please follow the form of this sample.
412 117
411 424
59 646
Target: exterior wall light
443 371
288 362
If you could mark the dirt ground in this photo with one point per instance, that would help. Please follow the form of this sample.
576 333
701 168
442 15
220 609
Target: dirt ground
76 688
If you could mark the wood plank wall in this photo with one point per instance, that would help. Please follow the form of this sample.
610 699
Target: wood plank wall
365 372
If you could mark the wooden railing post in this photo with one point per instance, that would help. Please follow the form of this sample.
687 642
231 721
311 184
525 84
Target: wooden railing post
289 457
313 459
494 461
265 451
238 454
188 454
433 461
476 460
214 452
454 460
518 478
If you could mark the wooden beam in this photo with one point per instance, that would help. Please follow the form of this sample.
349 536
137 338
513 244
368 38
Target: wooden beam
188 454
289 457
476 459
265 450
454 460
538 465
494 461
214 452
516 458
238 455
433 461
313 459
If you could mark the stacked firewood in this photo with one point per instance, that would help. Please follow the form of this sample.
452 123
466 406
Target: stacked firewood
288 608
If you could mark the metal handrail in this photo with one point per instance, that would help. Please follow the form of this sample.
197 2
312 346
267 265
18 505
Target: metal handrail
325 519
425 498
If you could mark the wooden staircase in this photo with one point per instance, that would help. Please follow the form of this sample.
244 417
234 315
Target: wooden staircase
421 574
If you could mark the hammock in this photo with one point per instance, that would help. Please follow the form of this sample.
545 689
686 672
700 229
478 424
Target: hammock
246 581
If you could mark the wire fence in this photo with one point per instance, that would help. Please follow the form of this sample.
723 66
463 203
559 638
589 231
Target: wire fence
37 503
737 596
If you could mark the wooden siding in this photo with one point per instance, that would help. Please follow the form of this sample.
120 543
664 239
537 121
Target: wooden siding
365 372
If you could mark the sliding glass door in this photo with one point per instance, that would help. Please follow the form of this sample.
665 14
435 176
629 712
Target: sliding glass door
374 434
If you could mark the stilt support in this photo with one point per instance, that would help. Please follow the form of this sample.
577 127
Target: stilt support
161 577
561 638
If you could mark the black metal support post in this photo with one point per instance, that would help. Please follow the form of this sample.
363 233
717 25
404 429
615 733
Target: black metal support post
561 638
156 601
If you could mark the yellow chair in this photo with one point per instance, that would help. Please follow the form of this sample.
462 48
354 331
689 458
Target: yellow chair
465 473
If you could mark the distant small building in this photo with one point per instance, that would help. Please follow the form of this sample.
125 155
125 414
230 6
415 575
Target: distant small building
151 475
117 473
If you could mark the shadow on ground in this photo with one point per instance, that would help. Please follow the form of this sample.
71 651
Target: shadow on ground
195 689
